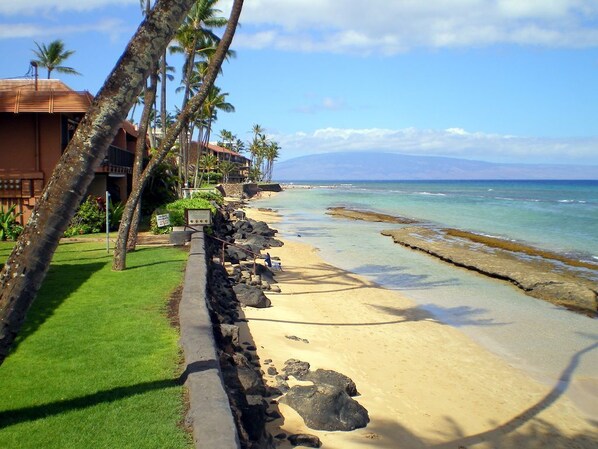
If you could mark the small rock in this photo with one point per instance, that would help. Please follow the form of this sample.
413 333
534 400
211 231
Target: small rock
304 439
272 371
295 368
295 338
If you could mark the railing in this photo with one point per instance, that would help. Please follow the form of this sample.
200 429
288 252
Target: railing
225 243
118 159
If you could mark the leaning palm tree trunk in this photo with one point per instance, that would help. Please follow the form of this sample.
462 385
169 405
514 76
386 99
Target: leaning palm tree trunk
144 122
120 251
29 261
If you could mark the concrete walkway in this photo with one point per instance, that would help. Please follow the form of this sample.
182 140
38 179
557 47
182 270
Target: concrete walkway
209 411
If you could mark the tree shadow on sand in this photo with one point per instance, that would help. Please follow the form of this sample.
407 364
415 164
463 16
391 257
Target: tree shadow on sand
403 315
459 316
524 430
400 279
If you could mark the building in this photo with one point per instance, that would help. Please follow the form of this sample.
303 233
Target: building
242 163
37 120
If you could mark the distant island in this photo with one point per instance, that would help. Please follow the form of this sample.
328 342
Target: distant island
378 166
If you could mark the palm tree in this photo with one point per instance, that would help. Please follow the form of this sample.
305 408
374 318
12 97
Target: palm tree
195 38
28 263
213 103
226 168
271 154
52 56
209 162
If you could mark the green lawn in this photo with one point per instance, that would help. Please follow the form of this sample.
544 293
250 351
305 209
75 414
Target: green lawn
96 363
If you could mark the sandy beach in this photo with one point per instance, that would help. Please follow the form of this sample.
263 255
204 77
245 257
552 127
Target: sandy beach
424 384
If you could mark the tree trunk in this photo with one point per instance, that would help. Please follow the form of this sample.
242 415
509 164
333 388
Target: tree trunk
29 261
149 97
120 251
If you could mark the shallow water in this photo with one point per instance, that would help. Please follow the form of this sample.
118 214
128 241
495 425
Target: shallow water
530 334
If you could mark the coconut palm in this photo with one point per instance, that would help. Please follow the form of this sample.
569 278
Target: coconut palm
52 56
226 168
28 263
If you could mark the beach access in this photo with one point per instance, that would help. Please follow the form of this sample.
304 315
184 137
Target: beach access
424 384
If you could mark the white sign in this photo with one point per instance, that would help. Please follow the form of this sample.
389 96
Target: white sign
163 220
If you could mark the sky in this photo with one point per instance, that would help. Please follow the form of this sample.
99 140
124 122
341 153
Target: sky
490 80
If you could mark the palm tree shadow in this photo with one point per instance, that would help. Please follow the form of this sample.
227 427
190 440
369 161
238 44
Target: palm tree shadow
459 316
12 417
512 434
61 281
399 278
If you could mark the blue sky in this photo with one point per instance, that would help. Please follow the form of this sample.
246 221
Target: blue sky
494 80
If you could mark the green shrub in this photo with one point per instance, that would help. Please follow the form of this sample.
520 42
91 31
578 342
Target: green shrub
176 210
90 218
210 196
116 213
10 228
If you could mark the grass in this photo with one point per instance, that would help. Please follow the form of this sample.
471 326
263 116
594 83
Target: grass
96 363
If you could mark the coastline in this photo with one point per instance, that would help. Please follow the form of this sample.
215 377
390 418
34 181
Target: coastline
424 384
538 273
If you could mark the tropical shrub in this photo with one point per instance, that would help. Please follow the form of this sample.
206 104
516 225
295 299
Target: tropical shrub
10 228
115 215
89 219
210 196
176 210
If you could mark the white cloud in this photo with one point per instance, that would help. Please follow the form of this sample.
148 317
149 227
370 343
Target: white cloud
36 7
452 142
389 27
111 27
323 104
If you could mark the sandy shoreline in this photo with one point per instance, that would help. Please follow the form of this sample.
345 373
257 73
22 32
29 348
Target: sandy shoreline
424 384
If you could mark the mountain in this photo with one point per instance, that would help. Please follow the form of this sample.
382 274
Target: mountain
392 166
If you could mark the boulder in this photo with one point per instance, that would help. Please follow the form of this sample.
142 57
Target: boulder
251 296
230 332
326 407
333 378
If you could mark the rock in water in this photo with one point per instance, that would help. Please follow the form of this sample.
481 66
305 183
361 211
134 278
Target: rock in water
326 407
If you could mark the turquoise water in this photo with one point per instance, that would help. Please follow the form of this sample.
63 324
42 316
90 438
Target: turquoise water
530 334
555 215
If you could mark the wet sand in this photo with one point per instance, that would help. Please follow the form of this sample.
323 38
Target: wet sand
425 384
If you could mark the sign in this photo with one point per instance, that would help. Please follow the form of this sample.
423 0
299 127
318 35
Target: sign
198 217
163 220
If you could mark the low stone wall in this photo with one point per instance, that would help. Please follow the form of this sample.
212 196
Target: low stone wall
247 189
209 411
239 190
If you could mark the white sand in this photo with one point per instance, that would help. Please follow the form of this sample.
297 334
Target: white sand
424 384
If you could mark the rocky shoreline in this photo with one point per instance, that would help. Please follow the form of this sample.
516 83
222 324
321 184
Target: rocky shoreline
539 274
239 282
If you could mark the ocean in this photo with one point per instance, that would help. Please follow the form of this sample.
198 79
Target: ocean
530 334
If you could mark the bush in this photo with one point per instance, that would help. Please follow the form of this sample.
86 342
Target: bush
176 210
10 228
90 218
210 196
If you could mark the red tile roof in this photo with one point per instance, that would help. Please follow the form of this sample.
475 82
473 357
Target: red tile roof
19 95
